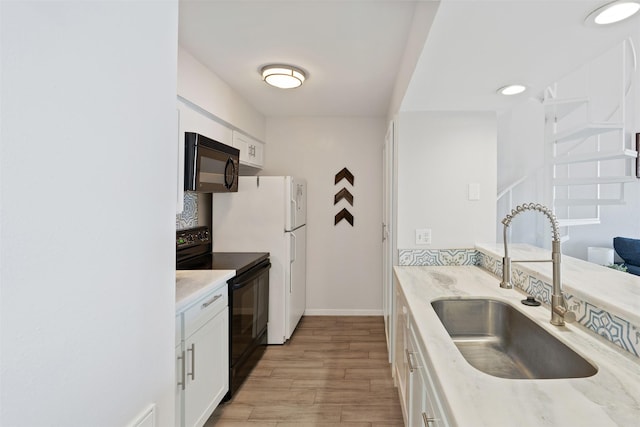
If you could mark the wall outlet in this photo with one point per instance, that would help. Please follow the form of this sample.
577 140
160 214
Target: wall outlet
423 236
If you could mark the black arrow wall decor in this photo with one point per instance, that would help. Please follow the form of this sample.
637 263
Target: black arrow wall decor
344 174
343 194
344 214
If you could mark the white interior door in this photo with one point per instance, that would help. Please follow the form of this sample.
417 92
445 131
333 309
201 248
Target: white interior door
298 278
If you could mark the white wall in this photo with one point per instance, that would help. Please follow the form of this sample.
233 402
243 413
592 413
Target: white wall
343 262
205 89
88 164
423 17
439 155
521 154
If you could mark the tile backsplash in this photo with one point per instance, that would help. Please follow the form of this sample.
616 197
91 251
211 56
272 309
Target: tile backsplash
189 216
437 257
602 322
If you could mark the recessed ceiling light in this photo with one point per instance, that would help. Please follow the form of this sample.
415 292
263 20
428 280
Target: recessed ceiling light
512 89
283 76
613 12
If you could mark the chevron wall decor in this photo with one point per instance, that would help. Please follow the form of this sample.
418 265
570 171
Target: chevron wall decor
344 214
344 174
344 194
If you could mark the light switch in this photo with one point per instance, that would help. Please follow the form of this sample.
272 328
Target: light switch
423 236
474 191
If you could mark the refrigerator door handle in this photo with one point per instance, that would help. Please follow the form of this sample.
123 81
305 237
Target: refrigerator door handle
292 258
294 207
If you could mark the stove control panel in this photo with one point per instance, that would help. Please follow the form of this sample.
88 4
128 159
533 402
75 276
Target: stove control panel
192 236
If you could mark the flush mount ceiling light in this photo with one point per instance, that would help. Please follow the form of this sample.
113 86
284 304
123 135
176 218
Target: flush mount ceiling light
613 12
283 76
511 89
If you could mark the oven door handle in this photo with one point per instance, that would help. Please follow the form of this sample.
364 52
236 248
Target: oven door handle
249 276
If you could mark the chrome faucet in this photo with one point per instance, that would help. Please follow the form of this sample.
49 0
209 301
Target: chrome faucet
559 310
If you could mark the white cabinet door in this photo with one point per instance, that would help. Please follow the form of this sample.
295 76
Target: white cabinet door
207 369
421 405
256 153
202 357
416 395
400 346
423 402
180 372
180 377
251 150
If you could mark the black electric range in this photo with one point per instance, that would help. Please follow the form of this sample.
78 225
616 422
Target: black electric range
248 297
241 262
193 252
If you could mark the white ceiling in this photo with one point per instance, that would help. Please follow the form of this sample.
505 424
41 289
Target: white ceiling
356 50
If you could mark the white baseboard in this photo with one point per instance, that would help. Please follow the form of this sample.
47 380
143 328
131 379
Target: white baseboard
345 312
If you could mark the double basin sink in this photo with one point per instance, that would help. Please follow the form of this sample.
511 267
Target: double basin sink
499 340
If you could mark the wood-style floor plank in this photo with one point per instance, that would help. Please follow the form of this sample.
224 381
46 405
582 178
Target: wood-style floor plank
334 372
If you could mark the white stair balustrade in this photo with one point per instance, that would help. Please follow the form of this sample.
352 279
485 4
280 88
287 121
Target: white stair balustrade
589 154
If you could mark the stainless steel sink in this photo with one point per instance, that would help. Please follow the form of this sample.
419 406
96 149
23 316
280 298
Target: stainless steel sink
499 340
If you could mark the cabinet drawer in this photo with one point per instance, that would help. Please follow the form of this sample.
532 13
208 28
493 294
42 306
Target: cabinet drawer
204 310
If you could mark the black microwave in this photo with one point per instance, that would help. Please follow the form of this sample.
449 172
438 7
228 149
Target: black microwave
210 166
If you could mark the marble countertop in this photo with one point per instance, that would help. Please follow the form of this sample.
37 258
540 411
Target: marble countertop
615 291
193 284
609 398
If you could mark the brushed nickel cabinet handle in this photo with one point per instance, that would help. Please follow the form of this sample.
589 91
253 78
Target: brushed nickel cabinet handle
183 370
192 374
427 419
211 301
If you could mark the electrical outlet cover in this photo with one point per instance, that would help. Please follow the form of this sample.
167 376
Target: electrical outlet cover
423 236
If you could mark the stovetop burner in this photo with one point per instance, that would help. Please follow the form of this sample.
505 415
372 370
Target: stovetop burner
193 252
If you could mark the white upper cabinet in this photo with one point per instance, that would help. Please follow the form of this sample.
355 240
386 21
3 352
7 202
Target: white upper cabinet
193 120
251 150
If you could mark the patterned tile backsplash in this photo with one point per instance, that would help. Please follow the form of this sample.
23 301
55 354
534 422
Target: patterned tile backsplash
189 216
606 324
437 257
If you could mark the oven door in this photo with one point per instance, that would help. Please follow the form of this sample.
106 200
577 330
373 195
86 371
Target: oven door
249 303
210 166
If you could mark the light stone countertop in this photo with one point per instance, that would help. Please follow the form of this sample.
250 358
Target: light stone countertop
609 398
193 284
615 291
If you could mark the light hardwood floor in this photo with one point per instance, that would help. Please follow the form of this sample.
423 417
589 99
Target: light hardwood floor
333 372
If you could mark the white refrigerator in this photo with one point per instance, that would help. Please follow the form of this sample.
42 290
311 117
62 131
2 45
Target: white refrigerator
269 214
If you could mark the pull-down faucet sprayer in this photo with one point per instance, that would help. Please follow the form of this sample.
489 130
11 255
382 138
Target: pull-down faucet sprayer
558 307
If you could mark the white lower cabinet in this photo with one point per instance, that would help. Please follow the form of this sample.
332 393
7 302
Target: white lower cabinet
424 403
179 379
400 367
202 358
421 405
